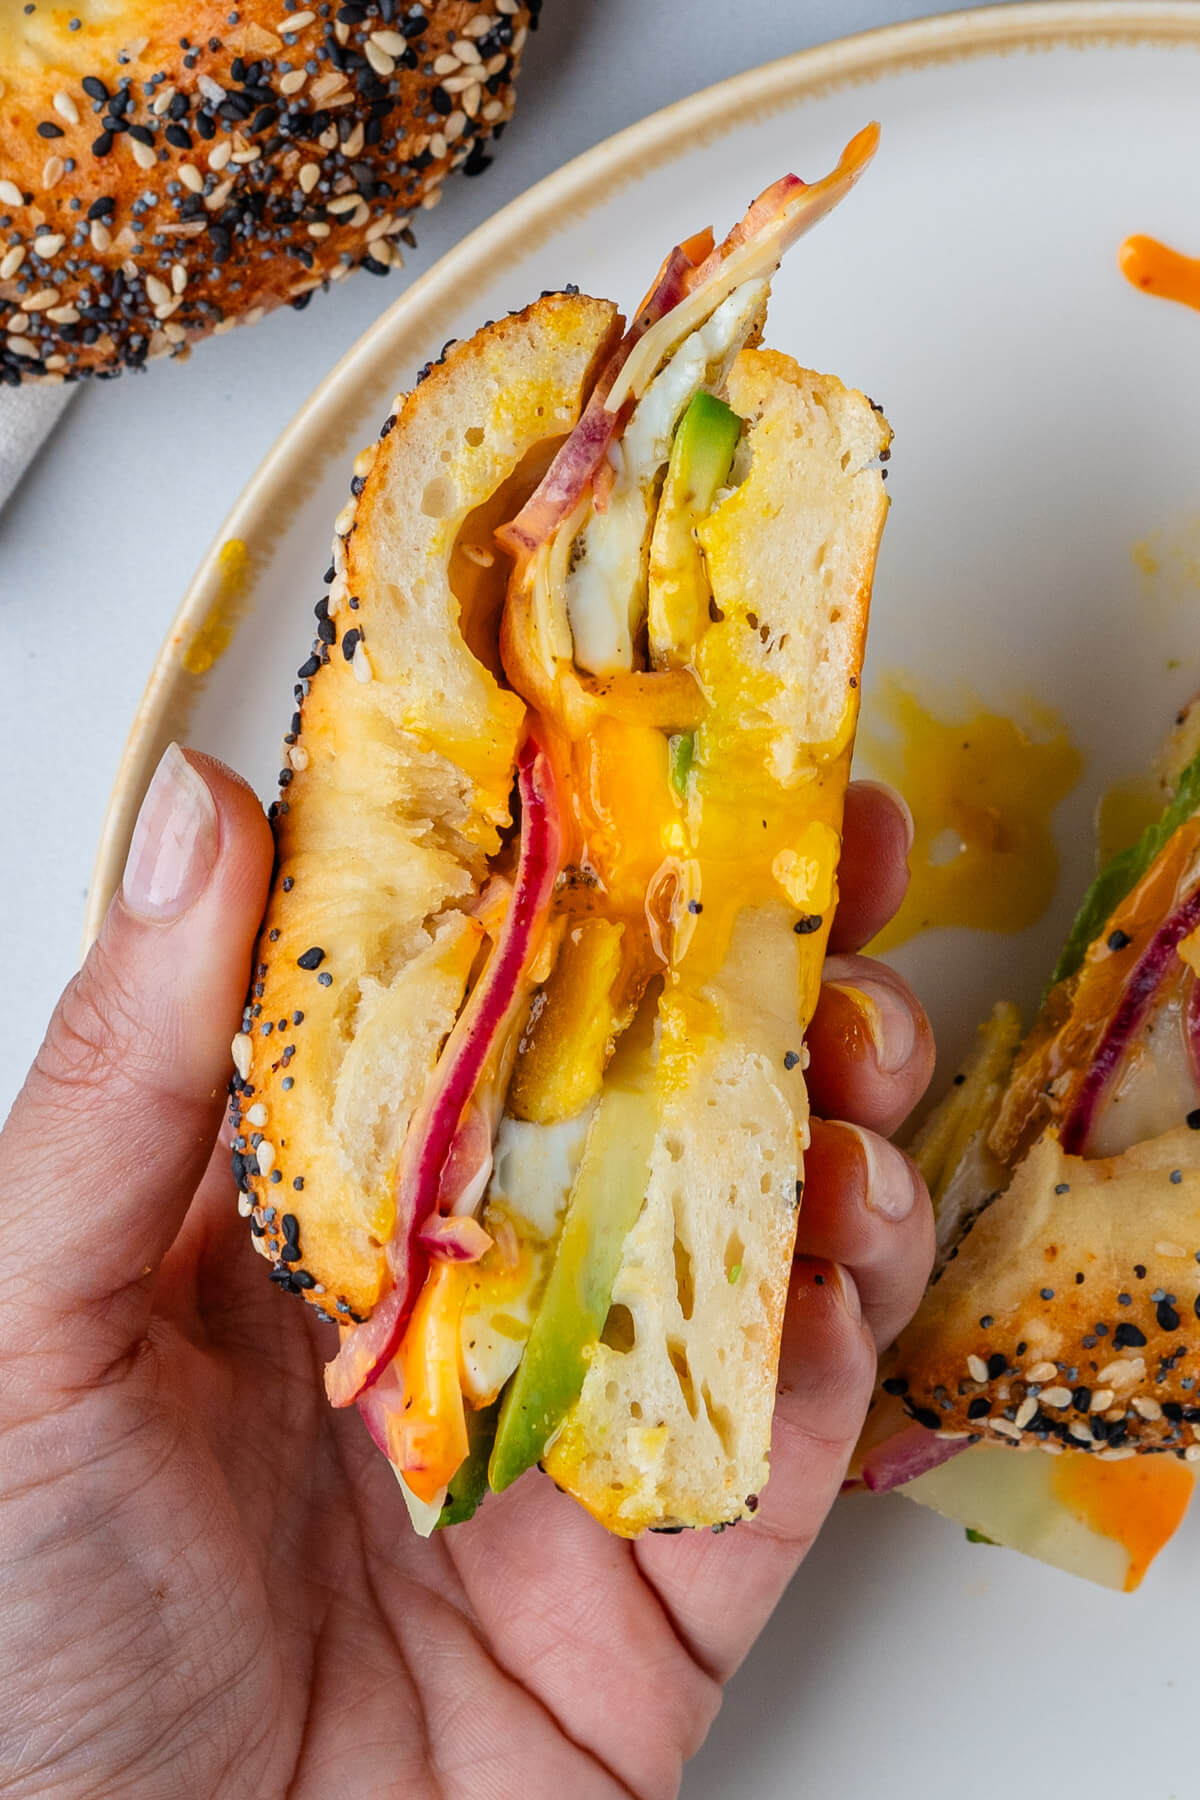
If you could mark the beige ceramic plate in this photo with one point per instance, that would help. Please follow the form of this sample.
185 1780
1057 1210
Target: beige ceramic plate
1044 417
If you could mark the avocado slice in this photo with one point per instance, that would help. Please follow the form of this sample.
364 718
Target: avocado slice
605 1201
468 1485
701 458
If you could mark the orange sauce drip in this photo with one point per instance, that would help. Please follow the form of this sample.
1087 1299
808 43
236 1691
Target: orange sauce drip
982 790
1138 1503
1157 269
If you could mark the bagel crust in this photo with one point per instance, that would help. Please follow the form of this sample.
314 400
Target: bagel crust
1070 1314
169 170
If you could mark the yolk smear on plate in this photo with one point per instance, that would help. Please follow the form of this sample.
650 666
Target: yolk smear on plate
983 790
214 634
1139 1503
1157 269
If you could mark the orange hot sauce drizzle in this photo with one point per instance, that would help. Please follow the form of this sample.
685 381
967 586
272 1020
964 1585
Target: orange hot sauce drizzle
1157 269
1138 1503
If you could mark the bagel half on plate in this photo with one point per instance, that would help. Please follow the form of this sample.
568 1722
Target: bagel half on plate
520 1097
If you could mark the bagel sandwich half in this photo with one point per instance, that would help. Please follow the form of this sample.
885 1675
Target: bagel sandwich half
519 1098
1064 1308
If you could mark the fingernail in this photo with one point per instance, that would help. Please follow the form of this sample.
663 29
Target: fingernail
846 1289
902 807
174 843
889 1023
891 1187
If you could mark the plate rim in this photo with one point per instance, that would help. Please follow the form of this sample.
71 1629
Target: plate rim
272 493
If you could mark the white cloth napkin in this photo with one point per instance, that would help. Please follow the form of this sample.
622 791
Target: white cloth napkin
27 416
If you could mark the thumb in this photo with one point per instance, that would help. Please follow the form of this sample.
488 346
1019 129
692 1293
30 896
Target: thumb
110 1135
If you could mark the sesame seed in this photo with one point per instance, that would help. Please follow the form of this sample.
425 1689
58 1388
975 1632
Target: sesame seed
53 170
1119 940
22 346
344 203
100 236
241 1050
1127 1336
191 177
50 244
311 959
1146 1407
310 174
297 22
1078 1430
256 1114
1005 1428
1192 1453
64 315
11 194
1120 1455
380 61
219 155
11 261
66 108
1056 1396
1102 1399
245 1205
266 1157
978 1368
361 663
1025 1412
158 290
1043 1371
143 155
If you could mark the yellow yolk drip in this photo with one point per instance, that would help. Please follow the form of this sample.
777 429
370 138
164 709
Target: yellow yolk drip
214 634
982 790
1157 269
1139 1503
1123 812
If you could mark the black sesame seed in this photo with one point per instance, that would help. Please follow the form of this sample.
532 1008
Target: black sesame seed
1168 1318
179 137
997 1362
1139 1270
1193 1119
309 668
325 978
48 129
986 1323
1047 1293
1172 1411
894 1384
298 1184
1119 940
791 1058
925 1415
291 1228
350 642
1124 1299
94 88
104 208
1081 1399
979 1407
103 144
327 631
1063 1187
303 1279
809 923
1128 1337
1176 1177
311 959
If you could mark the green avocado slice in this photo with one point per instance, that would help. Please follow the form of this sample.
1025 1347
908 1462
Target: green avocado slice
678 590
605 1201
1122 874
469 1485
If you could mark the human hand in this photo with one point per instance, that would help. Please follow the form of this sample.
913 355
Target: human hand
208 1582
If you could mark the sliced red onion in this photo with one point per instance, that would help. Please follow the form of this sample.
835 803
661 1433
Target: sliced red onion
581 454
1156 963
909 1453
762 212
455 1238
367 1349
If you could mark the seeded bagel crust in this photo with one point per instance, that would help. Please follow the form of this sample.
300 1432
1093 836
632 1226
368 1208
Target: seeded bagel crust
169 169
1070 1314
382 834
